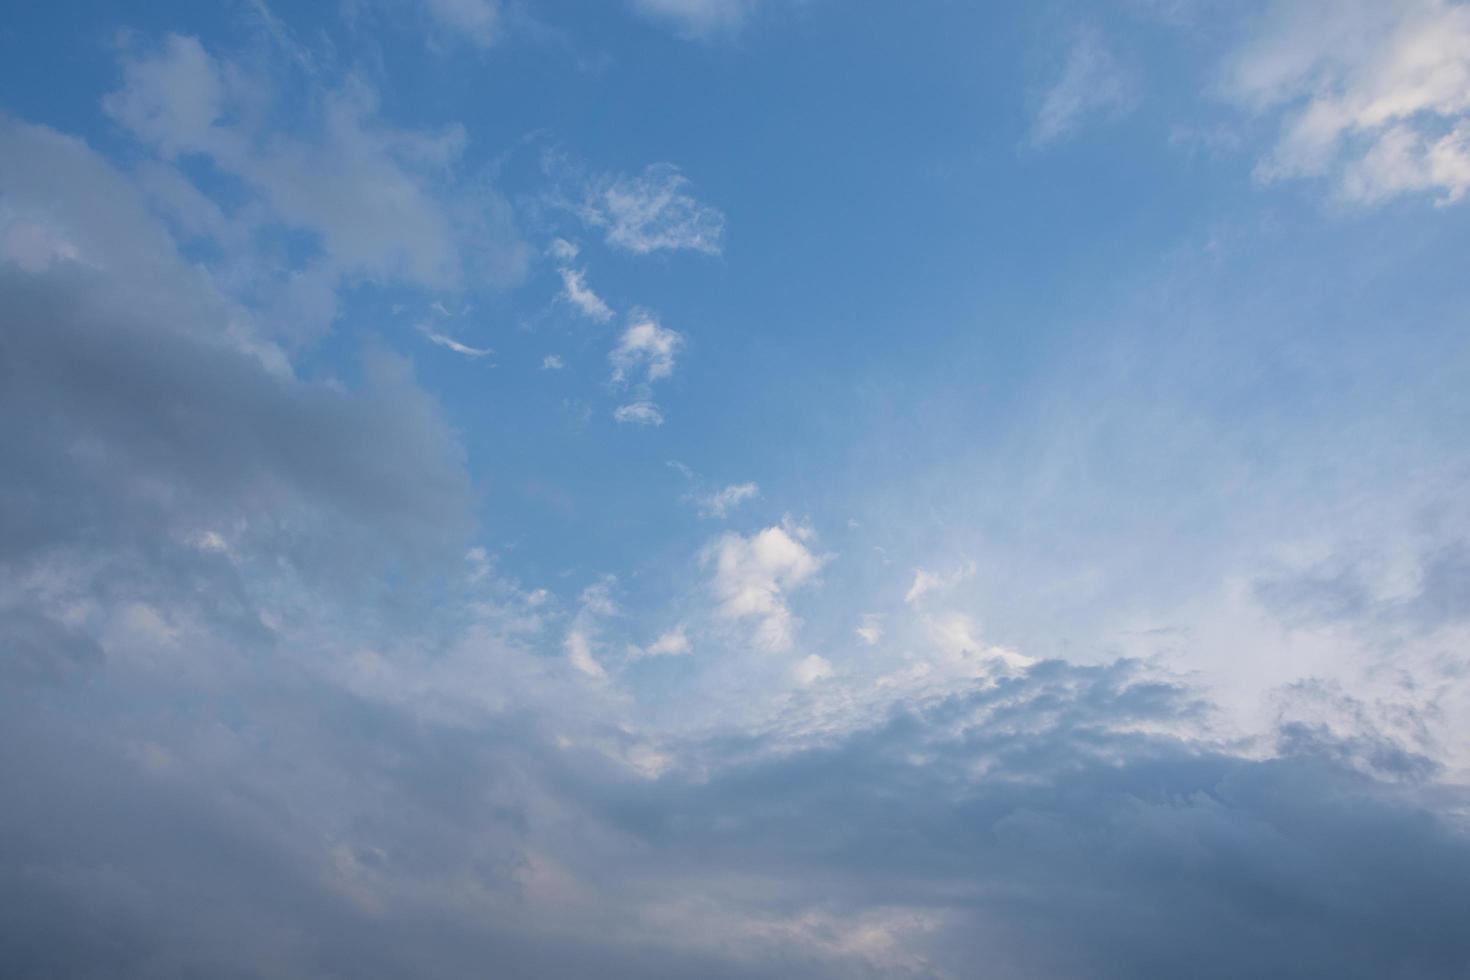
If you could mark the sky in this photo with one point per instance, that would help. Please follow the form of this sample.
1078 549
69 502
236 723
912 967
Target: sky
735 489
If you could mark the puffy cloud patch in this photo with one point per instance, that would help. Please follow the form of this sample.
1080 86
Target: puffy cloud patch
753 576
1375 95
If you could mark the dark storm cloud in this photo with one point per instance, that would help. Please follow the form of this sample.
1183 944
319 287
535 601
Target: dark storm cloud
1037 830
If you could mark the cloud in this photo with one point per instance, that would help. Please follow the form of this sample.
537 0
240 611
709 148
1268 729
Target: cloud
1374 96
376 200
577 292
754 575
646 345
594 605
639 413
1092 83
697 18
652 212
926 581
870 629
552 362
476 20
450 343
147 401
674 643
721 502
811 669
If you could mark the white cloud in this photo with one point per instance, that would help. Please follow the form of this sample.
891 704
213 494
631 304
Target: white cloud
811 669
753 576
580 642
674 643
579 653
552 362
721 502
647 345
1376 95
652 212
957 637
563 250
477 20
580 295
379 201
870 629
926 581
639 413
444 340
1091 83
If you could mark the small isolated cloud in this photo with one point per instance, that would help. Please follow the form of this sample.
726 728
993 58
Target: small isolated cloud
811 669
648 346
639 413
652 212
674 643
478 21
552 362
870 629
1375 95
721 502
754 575
697 18
449 343
580 295
926 581
1091 83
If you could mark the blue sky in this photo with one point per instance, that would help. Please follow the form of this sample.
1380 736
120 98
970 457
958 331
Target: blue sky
742 488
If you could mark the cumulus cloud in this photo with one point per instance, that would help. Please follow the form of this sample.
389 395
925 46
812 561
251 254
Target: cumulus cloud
1374 96
647 347
1092 83
870 629
652 212
552 362
753 576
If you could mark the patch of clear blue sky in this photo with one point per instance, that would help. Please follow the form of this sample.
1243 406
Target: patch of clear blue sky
908 287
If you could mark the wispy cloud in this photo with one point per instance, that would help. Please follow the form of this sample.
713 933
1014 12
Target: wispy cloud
1092 83
721 502
449 343
639 413
478 21
580 295
698 18
652 212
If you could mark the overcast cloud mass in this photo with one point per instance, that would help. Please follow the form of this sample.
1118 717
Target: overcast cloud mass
735 489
